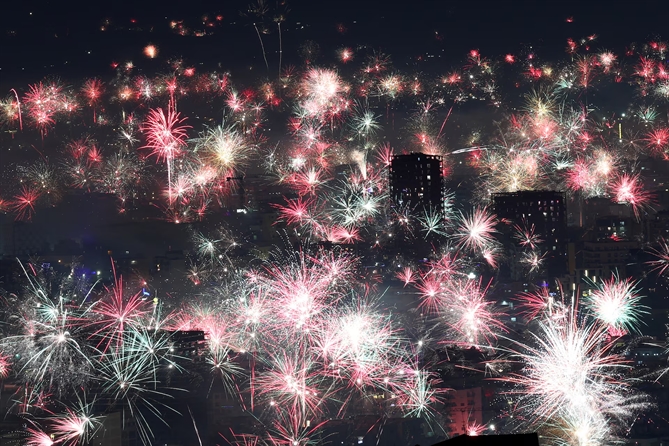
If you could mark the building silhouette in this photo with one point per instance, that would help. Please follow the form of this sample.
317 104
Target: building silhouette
416 181
490 440
543 211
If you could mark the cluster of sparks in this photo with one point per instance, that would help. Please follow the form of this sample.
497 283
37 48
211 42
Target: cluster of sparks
300 337
552 139
294 340
572 385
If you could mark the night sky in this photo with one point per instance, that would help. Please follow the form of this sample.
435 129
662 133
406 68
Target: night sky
45 33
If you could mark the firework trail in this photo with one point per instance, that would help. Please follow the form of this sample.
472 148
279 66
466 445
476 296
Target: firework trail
166 137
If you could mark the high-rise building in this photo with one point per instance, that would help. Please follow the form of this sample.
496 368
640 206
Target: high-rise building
544 211
416 181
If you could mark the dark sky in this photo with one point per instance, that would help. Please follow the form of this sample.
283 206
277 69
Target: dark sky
489 18
63 32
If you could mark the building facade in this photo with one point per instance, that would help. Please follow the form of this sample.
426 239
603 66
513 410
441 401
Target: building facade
545 211
416 181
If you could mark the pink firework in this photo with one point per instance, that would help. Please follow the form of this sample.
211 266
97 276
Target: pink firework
580 176
166 136
293 428
335 268
296 212
306 181
526 235
43 120
339 234
472 319
181 320
292 384
607 59
115 313
242 439
406 275
166 133
301 293
38 438
591 177
533 260
94 156
71 428
5 366
430 289
542 303
474 429
44 101
446 266
345 55
323 90
385 154
629 190
476 230
235 102
646 69
586 67
491 254
92 91
357 345
78 148
417 391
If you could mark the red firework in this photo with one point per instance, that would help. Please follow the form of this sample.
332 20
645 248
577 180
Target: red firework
658 140
24 203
